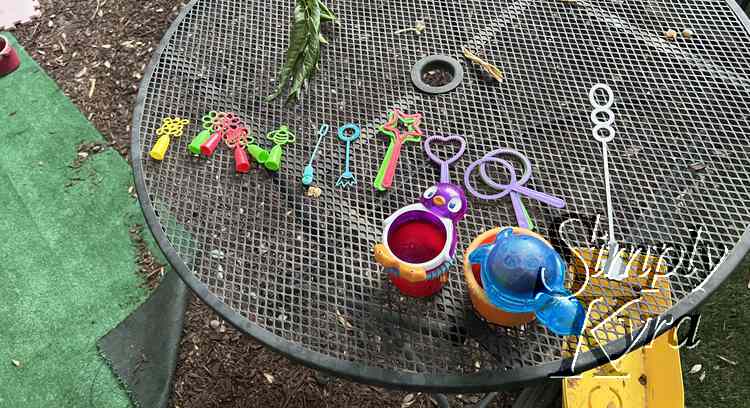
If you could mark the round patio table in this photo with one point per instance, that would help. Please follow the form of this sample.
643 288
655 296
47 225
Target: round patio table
297 273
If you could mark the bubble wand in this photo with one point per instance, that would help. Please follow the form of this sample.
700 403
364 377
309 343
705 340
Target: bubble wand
384 178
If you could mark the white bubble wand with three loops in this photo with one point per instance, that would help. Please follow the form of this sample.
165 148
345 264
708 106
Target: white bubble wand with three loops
605 133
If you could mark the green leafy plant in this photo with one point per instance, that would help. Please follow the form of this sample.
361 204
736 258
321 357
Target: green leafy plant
303 54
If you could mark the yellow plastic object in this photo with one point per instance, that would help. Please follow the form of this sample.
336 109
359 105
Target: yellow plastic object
650 377
160 148
647 377
170 127
412 274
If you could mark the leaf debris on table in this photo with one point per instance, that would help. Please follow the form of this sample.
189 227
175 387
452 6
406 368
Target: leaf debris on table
314 192
343 321
303 54
698 166
494 71
419 27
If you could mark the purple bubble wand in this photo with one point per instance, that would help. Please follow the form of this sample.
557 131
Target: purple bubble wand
515 188
444 164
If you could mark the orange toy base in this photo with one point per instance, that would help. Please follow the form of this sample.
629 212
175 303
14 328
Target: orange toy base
479 298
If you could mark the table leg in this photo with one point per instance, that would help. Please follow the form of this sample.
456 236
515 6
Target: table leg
544 395
484 402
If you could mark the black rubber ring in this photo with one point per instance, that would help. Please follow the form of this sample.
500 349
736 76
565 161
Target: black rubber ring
450 64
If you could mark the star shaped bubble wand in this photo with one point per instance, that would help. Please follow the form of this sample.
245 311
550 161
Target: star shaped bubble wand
413 133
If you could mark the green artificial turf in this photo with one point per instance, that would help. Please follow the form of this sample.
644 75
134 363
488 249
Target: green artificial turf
68 265
724 331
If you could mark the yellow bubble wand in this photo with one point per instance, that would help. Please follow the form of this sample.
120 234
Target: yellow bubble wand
170 127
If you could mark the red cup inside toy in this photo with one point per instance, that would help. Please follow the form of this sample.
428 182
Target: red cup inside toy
418 289
417 240
9 60
417 237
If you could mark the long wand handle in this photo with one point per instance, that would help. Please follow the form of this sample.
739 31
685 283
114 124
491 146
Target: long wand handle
608 191
390 170
383 167
323 132
308 173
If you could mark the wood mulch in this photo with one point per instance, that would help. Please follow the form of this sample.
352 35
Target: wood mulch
220 367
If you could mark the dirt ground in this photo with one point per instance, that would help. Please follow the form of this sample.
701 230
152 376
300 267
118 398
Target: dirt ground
219 367
97 51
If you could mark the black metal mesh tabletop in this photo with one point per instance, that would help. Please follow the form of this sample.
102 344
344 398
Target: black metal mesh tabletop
298 273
